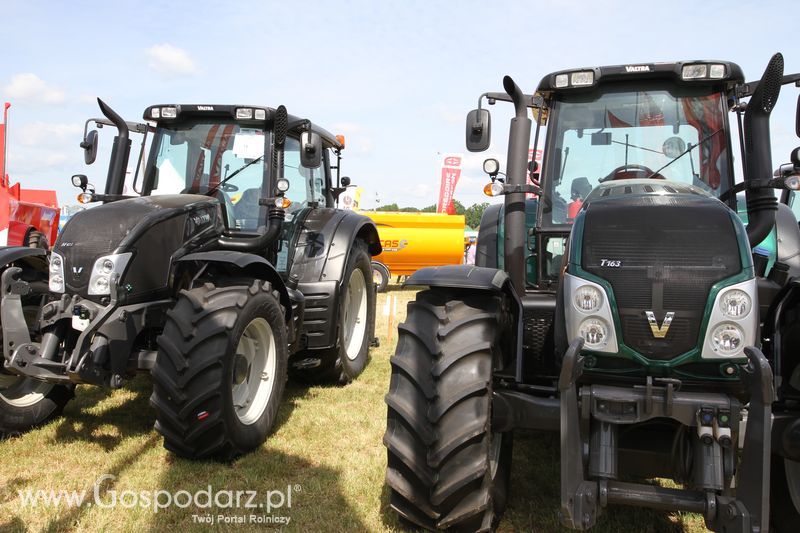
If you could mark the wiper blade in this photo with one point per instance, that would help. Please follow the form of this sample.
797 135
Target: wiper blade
234 173
691 147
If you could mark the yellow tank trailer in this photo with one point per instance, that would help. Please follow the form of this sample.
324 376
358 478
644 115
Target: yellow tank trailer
412 241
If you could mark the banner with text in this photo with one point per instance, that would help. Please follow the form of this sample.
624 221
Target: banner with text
451 171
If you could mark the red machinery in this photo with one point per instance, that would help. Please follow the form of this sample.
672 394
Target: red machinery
28 217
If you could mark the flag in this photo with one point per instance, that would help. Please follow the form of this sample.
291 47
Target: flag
451 171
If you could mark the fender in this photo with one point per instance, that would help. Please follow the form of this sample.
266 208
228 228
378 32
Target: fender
477 279
321 251
252 265
17 231
32 257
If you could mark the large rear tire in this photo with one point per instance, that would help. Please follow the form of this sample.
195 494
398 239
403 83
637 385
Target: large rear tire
446 468
356 322
26 403
785 495
220 371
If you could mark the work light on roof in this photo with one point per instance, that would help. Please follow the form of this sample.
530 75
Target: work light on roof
582 78
260 114
244 113
155 112
562 80
701 71
169 112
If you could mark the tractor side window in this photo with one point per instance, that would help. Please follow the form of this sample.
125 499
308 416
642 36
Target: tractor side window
555 248
307 185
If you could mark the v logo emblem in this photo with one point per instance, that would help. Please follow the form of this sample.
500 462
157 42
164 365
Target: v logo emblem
659 332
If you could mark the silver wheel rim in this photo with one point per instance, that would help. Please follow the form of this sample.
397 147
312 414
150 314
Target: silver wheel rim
494 453
354 320
793 481
377 276
20 391
256 358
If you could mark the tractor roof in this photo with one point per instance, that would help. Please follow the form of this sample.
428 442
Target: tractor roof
722 74
211 111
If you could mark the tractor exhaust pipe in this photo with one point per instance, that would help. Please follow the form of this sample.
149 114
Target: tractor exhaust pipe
761 201
516 174
120 151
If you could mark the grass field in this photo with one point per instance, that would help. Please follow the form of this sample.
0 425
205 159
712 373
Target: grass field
326 447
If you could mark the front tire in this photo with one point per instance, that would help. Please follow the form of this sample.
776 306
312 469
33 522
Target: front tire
356 322
446 468
27 403
785 494
36 239
220 371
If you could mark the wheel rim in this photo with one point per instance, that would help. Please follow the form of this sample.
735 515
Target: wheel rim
20 391
255 363
793 481
377 276
354 320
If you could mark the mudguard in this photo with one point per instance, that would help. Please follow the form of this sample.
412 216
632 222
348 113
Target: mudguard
252 265
321 251
468 277
33 257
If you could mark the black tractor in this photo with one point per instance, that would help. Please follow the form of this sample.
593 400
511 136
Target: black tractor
229 269
629 295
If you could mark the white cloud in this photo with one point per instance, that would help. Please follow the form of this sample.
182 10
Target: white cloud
170 61
48 134
30 87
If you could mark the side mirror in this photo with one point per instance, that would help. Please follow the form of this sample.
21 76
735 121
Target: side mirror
89 146
310 149
479 130
345 181
797 118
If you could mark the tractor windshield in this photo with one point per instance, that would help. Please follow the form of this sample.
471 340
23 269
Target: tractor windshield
657 132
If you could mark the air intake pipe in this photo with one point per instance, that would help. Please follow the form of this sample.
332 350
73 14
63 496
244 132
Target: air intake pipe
761 201
263 241
120 151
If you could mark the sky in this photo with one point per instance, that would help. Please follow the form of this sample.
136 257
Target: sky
396 78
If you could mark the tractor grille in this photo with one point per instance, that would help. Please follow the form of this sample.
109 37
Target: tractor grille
671 251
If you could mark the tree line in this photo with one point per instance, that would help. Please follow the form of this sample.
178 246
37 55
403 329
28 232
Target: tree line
472 214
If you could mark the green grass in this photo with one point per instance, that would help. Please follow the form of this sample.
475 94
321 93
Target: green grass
327 441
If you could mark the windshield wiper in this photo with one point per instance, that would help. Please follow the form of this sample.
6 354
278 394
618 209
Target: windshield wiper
691 147
234 173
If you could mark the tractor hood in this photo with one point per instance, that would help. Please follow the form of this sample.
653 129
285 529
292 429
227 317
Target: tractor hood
153 228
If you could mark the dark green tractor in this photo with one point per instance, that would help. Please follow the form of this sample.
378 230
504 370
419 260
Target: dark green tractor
624 303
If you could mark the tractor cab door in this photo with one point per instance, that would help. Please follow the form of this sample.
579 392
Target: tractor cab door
307 191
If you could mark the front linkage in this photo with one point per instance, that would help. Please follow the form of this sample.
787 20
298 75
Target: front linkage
605 409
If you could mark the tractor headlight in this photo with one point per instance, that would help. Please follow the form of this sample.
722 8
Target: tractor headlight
104 268
727 339
594 332
735 303
589 315
588 299
56 273
733 323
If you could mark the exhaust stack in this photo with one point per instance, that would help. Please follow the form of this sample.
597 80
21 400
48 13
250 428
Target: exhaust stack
761 202
120 151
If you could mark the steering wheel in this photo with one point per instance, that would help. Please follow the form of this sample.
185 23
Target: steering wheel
624 172
229 187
